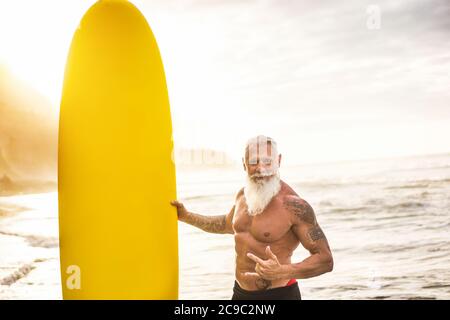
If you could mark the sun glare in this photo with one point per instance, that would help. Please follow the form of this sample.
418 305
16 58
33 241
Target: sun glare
34 40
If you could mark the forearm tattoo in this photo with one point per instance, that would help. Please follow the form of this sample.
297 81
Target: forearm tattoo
263 284
301 209
213 224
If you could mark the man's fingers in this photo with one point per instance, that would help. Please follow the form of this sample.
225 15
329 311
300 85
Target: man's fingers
270 254
255 258
176 204
258 269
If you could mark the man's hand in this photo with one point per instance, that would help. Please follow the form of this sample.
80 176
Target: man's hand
181 210
269 269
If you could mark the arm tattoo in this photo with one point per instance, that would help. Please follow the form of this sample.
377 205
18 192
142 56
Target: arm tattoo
315 233
263 284
213 224
301 209
305 213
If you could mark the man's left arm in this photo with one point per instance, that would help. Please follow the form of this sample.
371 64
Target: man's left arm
311 236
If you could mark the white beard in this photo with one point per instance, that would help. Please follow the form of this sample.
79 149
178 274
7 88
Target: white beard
258 194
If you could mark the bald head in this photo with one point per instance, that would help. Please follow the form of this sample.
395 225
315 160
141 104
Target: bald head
260 146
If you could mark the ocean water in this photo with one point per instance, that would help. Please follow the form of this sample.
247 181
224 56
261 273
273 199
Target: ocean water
387 222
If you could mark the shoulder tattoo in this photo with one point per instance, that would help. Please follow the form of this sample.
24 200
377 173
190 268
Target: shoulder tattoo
301 209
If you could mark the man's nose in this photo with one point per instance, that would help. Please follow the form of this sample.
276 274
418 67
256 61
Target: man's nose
259 167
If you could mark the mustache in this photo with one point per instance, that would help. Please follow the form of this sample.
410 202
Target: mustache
263 174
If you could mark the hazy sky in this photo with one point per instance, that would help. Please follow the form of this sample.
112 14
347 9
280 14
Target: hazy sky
310 74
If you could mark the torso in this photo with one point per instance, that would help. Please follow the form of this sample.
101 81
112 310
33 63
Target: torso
253 234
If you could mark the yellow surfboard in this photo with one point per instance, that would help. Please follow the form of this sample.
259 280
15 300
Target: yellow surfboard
116 177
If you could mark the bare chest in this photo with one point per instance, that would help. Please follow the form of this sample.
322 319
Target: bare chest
269 226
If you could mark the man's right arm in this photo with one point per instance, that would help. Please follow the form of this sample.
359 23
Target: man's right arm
214 224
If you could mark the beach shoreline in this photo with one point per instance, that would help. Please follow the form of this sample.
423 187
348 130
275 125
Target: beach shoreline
29 264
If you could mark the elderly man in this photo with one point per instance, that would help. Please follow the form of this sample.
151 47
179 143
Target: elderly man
268 220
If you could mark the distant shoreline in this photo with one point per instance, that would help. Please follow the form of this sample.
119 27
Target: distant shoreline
386 158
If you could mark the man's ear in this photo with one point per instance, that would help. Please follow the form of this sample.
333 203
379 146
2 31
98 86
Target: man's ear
279 160
243 164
